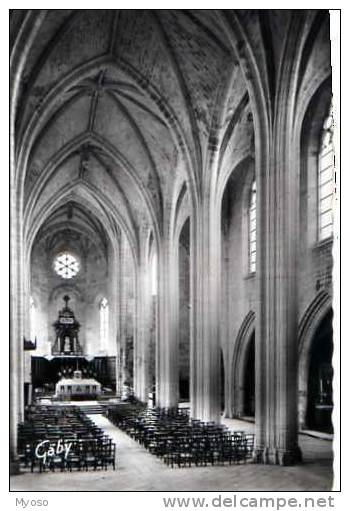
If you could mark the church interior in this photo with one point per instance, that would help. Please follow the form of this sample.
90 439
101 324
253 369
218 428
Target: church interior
172 216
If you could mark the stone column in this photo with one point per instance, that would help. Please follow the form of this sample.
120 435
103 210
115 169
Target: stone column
194 307
16 334
127 293
276 326
119 300
167 374
144 322
206 399
140 326
19 52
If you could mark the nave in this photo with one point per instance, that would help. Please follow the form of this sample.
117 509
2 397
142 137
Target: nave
173 226
138 470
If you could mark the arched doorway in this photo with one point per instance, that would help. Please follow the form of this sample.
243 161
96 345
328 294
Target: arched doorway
320 395
249 379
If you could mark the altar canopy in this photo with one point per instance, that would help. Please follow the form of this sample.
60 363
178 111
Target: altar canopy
67 332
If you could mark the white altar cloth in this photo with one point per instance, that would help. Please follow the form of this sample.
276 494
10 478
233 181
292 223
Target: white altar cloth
77 387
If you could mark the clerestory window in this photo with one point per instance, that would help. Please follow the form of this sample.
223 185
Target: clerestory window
252 228
326 180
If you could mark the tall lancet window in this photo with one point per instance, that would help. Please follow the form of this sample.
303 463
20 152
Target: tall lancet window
104 313
252 228
32 319
326 182
154 282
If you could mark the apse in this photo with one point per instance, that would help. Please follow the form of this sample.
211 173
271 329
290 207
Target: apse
75 304
73 256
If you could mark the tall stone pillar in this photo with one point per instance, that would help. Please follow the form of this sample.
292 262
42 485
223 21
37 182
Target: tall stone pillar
194 311
16 336
140 337
276 325
19 53
206 398
167 374
144 320
127 317
146 383
119 303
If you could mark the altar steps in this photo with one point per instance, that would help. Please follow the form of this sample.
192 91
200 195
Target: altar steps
92 408
99 408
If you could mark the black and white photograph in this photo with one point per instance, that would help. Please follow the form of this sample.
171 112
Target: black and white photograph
174 236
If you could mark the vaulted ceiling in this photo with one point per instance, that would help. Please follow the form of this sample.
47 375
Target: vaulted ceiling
115 105
72 224
110 102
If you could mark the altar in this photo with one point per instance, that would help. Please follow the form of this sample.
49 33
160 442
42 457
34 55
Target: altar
67 373
77 387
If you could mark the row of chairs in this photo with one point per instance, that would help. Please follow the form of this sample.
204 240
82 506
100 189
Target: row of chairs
186 451
82 455
54 423
63 438
179 440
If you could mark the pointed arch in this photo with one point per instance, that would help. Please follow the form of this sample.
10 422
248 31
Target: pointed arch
314 314
95 140
47 106
99 206
240 354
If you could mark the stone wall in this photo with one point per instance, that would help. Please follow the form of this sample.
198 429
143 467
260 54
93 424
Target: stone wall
239 287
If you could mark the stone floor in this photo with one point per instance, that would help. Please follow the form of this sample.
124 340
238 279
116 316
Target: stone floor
137 470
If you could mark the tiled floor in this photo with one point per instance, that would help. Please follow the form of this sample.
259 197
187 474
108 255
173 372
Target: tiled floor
137 470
